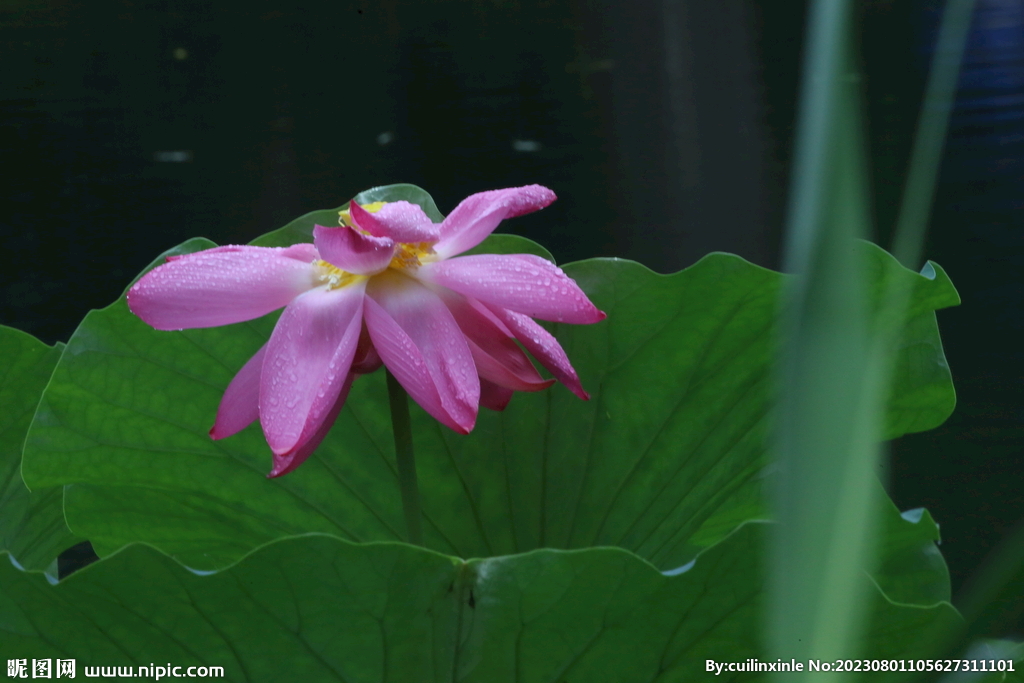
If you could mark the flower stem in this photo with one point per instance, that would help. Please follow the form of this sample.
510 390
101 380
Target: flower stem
402 428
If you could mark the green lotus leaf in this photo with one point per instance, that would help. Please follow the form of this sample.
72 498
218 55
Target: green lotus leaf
32 527
316 608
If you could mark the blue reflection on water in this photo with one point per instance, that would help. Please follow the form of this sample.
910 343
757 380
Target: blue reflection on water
982 171
977 229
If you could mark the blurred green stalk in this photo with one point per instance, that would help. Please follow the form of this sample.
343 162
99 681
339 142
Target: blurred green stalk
833 368
829 399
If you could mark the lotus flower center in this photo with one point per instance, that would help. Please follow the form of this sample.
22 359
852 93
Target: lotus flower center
411 255
407 254
333 276
345 217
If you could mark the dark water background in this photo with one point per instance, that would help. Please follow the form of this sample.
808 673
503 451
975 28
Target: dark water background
664 127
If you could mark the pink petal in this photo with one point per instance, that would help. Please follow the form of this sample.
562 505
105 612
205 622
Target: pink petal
220 286
520 282
544 347
353 251
422 345
307 359
303 251
366 358
240 405
289 460
401 221
478 215
494 397
498 358
496 370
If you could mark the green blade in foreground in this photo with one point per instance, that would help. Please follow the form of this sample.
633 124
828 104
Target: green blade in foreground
32 527
316 608
674 433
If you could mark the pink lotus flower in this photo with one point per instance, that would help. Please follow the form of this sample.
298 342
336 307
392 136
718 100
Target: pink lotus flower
381 287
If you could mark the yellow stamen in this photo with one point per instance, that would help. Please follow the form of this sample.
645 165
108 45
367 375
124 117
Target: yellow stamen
411 255
334 277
